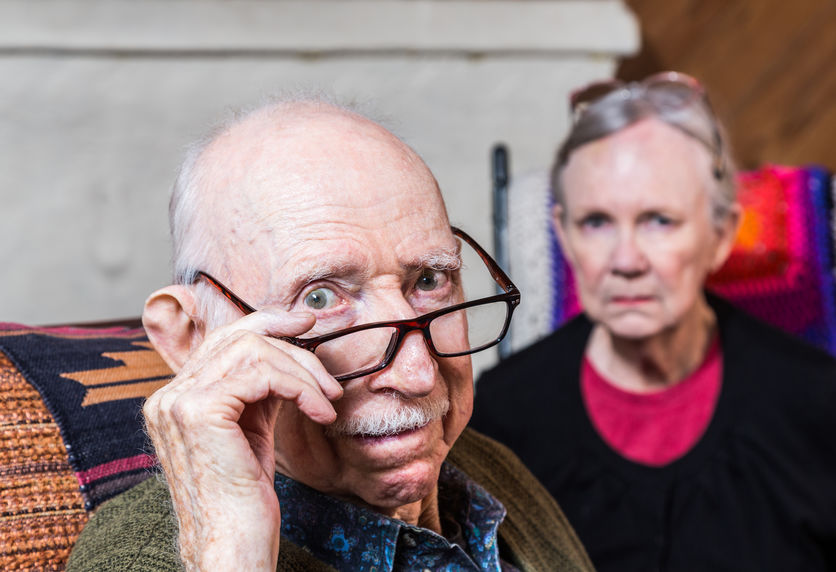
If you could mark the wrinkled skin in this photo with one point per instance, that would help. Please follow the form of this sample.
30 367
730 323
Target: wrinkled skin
302 198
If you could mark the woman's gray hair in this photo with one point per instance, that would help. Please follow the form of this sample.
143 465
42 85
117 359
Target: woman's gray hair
627 106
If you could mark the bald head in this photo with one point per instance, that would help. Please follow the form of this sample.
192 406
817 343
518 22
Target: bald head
286 163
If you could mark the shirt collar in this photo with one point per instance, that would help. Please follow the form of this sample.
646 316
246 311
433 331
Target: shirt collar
351 537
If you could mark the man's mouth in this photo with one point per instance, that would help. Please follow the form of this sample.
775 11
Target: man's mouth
391 436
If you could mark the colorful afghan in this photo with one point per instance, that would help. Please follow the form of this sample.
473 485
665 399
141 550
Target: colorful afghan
781 266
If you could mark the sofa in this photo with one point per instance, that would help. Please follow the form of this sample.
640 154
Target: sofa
71 432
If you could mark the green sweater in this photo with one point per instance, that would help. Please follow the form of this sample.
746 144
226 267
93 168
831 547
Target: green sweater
137 531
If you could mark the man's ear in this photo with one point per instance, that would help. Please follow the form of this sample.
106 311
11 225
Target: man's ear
169 321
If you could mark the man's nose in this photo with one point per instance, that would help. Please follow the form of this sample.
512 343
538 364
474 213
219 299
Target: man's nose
413 370
628 257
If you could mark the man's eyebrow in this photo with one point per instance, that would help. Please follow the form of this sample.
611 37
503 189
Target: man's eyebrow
441 259
358 271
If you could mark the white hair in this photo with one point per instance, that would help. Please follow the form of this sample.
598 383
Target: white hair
615 113
396 416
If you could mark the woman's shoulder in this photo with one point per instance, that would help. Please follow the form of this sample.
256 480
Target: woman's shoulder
535 391
774 375
562 348
770 350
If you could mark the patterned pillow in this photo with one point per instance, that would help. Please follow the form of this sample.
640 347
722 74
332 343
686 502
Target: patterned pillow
71 433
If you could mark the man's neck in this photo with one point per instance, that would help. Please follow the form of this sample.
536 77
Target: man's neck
423 513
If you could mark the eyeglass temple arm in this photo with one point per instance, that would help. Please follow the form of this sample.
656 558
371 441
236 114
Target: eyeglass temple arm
246 309
496 272
243 306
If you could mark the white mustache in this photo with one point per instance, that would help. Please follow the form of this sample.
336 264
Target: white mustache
398 416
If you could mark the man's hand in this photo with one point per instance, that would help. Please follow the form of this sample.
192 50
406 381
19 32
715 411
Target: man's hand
212 427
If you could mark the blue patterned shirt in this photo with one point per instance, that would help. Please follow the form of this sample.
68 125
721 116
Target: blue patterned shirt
350 537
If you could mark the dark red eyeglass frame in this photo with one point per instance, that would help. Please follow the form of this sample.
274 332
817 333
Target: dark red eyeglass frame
511 296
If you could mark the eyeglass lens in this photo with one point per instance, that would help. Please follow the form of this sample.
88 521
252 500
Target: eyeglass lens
459 332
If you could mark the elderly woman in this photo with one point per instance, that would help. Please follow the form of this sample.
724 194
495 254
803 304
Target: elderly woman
676 432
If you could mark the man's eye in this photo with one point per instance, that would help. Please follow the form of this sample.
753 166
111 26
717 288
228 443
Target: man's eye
428 280
320 298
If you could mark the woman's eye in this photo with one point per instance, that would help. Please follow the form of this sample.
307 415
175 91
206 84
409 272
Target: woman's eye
594 221
428 280
320 298
659 220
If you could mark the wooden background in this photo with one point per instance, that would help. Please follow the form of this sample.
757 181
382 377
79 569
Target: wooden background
769 67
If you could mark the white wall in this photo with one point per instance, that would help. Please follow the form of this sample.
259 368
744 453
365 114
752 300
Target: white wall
98 98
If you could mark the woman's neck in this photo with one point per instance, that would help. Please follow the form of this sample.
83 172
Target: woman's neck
658 362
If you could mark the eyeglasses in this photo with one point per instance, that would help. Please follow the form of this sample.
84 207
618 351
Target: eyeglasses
666 92
457 330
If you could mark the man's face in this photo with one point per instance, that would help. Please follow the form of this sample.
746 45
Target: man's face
637 228
337 218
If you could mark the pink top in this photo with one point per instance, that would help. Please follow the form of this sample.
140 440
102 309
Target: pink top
654 428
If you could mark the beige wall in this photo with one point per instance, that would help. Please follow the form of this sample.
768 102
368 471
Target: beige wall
98 99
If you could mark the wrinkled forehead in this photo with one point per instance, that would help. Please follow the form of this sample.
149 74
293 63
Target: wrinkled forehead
647 155
330 186
279 265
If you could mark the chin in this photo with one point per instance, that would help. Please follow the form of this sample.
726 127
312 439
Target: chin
404 485
633 327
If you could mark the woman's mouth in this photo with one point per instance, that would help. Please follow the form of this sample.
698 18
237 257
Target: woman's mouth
630 300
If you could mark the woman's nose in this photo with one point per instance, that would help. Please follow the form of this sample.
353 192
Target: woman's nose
628 258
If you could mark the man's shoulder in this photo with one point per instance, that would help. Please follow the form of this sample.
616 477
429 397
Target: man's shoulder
137 531
535 530
134 530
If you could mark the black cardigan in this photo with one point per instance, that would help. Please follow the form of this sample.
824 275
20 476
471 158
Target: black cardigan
757 492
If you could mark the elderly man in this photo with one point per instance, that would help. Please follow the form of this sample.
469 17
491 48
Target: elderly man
297 434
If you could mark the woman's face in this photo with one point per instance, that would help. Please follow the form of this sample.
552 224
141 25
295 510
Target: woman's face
637 230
